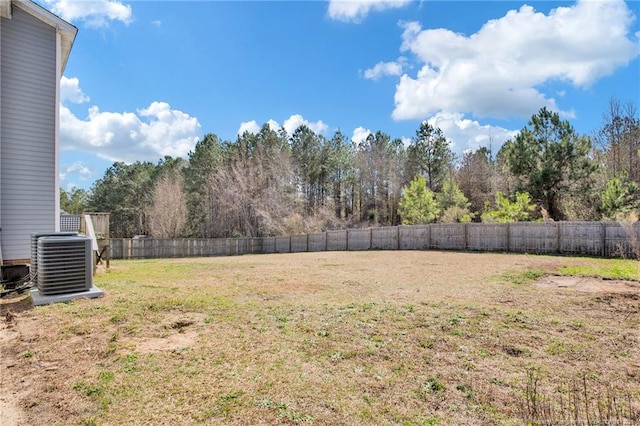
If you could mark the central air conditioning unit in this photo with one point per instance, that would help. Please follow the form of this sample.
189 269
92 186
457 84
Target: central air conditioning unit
33 269
65 265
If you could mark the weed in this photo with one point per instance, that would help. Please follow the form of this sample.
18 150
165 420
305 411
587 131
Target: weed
456 319
296 417
517 317
336 356
366 307
106 376
580 399
130 363
515 351
231 396
523 277
265 403
577 324
117 318
466 389
88 390
556 347
498 382
409 308
482 353
432 385
111 349
323 333
427 344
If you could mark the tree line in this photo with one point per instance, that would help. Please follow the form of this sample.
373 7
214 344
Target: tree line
273 183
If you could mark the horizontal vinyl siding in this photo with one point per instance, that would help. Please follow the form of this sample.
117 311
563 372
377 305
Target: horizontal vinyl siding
36 156
22 215
27 136
1 21
24 104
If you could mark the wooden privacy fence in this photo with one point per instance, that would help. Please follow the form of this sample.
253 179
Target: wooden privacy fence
601 239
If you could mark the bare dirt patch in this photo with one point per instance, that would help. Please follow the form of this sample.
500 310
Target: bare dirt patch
178 332
588 284
11 413
11 395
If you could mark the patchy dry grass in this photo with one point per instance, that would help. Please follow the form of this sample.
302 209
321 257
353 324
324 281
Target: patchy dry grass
331 338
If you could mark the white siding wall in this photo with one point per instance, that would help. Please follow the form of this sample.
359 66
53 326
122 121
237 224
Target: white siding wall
3 12
27 133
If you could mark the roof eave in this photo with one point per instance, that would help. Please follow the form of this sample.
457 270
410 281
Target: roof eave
67 31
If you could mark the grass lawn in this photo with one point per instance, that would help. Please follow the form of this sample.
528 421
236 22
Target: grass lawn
406 338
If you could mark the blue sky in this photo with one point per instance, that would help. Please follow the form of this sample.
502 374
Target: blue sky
149 78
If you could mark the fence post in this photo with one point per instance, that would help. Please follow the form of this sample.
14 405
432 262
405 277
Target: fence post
347 238
603 237
558 237
399 234
508 237
465 236
370 238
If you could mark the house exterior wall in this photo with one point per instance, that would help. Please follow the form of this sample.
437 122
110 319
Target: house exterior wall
3 14
28 101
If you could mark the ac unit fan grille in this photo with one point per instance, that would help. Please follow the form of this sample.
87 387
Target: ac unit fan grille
64 265
33 268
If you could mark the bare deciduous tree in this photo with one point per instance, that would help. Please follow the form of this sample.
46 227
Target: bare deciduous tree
167 214
253 193
619 139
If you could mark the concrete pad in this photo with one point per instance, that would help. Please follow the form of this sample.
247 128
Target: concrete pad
39 299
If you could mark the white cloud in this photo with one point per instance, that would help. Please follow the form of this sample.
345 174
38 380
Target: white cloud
156 23
77 168
382 69
94 13
290 125
273 125
360 134
466 134
499 70
296 120
357 10
248 126
147 135
70 91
